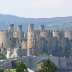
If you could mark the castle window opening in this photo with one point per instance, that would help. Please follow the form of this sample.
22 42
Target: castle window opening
33 40
18 41
31 35
19 46
10 38
46 42
2 44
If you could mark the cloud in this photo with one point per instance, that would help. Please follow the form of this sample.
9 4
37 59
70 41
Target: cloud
36 8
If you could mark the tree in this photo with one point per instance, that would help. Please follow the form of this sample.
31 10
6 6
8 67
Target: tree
2 56
21 67
47 66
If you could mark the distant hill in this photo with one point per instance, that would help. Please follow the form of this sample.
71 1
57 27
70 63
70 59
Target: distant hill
57 23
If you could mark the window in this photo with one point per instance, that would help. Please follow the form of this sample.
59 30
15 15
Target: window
31 35
10 38
46 42
19 46
2 43
18 41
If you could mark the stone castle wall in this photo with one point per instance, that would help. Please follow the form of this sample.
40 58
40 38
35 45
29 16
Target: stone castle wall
36 42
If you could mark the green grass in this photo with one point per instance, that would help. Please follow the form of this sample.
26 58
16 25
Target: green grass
10 70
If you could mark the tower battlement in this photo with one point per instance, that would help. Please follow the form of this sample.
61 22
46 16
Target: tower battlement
42 28
19 28
10 27
31 27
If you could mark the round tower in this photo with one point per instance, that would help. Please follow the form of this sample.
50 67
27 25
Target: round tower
42 28
68 34
30 40
31 28
10 34
10 28
20 33
19 28
4 39
49 33
42 31
56 34
48 42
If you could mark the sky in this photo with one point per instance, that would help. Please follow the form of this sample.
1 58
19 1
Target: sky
36 8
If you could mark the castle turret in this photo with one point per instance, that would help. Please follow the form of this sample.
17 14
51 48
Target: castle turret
19 28
20 36
42 28
56 34
68 34
10 28
30 40
4 39
31 28
10 34
42 31
48 41
20 33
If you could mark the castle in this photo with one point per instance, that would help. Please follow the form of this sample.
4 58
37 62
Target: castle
36 42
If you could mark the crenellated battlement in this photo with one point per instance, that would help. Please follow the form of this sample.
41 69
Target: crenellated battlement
3 30
19 28
35 41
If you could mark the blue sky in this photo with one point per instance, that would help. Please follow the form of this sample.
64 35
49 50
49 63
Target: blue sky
36 8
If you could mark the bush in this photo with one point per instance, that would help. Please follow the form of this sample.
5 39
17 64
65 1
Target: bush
21 67
14 65
47 66
2 56
1 70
